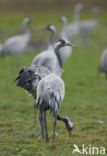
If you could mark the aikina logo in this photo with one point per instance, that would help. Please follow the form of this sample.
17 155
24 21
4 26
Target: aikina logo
88 150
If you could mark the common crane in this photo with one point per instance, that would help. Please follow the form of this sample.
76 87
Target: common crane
48 57
50 93
18 44
48 89
87 26
66 51
72 29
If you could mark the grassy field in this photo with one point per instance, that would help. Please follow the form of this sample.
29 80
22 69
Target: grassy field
85 101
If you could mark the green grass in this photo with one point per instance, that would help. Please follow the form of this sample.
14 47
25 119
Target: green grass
85 102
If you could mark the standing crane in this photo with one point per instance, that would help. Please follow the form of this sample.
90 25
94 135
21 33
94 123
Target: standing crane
50 93
87 26
66 51
48 57
18 44
72 29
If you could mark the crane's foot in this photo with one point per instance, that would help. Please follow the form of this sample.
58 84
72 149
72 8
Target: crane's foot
70 132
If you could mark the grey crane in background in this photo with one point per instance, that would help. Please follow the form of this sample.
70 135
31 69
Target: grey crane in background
103 63
87 26
18 44
48 57
72 29
65 52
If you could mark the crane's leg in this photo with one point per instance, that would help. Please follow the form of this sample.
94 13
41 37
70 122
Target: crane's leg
41 118
35 114
54 127
68 123
46 131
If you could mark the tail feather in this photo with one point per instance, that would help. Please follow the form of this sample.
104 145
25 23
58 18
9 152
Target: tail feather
48 102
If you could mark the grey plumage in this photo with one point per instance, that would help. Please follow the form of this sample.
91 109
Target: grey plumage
48 57
18 44
29 77
48 89
50 94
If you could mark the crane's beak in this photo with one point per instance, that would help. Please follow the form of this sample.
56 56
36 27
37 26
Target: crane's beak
71 45
17 78
42 29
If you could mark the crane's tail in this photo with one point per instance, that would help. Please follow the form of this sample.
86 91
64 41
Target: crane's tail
48 102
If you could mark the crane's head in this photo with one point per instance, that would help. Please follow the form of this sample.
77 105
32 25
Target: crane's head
26 21
63 19
78 7
51 28
62 43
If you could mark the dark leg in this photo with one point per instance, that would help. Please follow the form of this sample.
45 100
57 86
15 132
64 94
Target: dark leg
68 123
35 114
46 132
41 124
54 127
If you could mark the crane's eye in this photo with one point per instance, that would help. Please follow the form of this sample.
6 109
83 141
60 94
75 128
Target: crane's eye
48 27
62 41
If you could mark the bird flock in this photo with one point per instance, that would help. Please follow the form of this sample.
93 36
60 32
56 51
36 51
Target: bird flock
43 77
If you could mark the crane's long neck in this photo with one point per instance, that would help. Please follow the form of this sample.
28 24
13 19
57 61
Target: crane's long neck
76 16
52 38
59 56
27 33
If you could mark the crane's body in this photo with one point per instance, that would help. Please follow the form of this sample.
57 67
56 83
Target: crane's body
48 59
51 91
88 26
65 52
16 44
70 30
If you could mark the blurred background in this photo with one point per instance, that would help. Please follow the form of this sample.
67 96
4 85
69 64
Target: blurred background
12 12
33 5
86 92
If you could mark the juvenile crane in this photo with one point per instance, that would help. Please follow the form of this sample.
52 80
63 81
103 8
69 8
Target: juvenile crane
50 93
